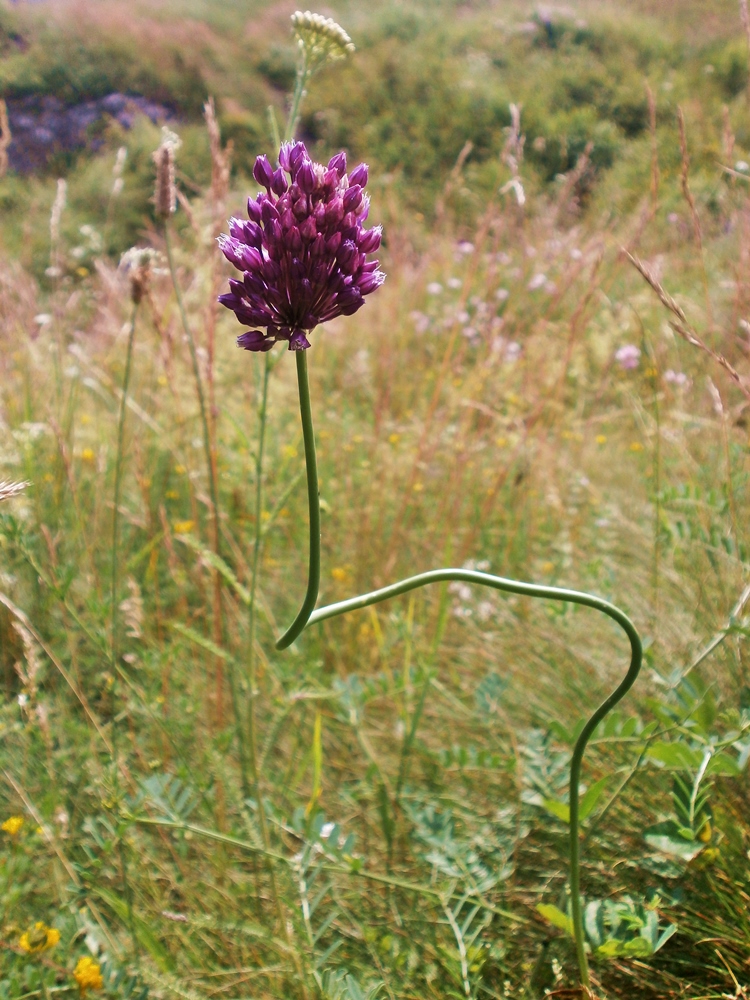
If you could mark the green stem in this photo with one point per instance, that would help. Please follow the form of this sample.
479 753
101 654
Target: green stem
308 616
252 617
313 577
262 415
303 77
118 484
119 461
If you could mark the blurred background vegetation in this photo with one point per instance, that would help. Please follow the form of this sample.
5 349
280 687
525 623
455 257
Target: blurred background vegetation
428 78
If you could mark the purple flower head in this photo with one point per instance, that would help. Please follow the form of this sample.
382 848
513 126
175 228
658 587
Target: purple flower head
302 252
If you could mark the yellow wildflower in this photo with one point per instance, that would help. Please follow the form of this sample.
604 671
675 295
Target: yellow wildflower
88 974
87 455
12 825
183 527
338 573
39 938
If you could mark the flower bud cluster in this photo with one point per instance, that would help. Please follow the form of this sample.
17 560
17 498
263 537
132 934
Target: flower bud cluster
320 38
303 250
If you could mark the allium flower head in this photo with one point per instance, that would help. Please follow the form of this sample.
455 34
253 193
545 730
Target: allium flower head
303 250
320 39
38 938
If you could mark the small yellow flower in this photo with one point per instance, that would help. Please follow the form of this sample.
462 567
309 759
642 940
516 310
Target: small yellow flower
180 470
12 825
601 438
394 438
87 455
39 938
418 487
636 446
289 451
172 495
161 380
338 574
501 442
88 974
82 272
183 527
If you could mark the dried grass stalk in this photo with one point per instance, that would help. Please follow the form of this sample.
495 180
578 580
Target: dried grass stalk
681 325
5 137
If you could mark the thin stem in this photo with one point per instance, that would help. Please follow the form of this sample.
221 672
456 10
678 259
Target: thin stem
313 577
114 581
198 386
263 422
252 617
303 77
118 483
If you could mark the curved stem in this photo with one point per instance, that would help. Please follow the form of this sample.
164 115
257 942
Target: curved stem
550 593
311 462
308 616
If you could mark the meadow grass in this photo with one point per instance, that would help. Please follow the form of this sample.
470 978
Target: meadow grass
473 414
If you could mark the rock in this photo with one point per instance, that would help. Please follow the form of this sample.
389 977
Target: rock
42 125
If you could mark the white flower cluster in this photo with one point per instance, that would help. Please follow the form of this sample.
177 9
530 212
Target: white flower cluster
320 38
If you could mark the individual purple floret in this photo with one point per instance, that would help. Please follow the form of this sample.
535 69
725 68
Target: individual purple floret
303 250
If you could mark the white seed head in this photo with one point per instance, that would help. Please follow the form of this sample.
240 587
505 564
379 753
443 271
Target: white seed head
320 38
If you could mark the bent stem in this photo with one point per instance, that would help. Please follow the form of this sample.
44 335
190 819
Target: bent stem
308 616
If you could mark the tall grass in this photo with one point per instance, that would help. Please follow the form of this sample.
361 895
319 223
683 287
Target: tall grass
473 414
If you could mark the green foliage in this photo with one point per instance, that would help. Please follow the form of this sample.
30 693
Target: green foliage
622 928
